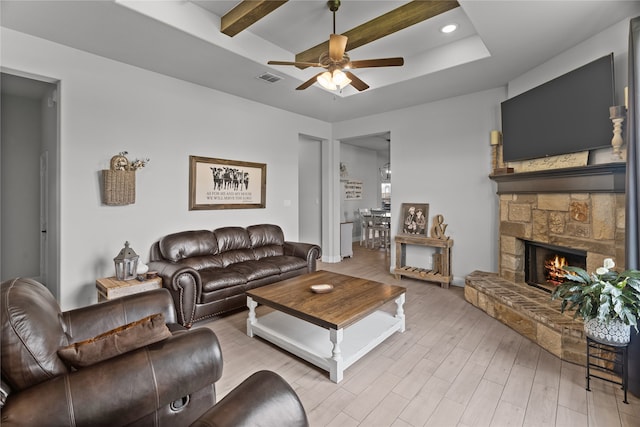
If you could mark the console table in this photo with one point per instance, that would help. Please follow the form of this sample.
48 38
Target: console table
441 271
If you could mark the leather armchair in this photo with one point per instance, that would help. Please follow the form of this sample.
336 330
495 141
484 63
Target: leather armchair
168 383
264 399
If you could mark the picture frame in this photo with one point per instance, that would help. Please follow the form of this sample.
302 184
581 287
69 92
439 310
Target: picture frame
226 184
414 218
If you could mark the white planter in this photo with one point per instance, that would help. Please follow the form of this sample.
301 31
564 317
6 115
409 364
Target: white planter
613 332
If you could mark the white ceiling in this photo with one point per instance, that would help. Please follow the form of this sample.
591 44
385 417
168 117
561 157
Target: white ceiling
496 42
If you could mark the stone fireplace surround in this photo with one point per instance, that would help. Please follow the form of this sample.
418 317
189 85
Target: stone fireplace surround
579 208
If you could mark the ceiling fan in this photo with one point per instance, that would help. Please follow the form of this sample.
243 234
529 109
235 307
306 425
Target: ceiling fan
336 62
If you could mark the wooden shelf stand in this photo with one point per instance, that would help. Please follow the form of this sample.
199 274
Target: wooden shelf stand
441 270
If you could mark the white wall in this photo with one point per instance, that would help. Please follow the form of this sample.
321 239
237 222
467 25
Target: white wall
614 39
108 107
440 155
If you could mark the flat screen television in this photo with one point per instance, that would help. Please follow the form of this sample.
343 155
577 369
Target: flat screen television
565 115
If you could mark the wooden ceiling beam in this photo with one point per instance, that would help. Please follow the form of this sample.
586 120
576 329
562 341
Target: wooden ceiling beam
404 16
246 14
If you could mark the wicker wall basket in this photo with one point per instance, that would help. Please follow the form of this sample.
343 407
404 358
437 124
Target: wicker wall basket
119 187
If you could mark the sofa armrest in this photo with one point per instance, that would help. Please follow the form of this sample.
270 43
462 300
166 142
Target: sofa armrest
307 251
121 390
87 322
264 399
185 285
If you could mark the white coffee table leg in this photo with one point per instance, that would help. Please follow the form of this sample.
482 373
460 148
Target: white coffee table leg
251 320
400 311
336 362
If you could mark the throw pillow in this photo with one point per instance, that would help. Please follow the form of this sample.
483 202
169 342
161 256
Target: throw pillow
117 341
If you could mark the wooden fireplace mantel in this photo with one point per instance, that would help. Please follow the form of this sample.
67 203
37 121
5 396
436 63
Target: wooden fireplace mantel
602 178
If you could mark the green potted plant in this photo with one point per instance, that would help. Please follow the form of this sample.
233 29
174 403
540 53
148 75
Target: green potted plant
608 301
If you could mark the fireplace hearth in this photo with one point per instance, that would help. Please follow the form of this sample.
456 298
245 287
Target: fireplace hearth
544 264
574 213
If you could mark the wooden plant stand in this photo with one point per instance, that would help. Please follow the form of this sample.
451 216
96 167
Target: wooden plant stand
441 271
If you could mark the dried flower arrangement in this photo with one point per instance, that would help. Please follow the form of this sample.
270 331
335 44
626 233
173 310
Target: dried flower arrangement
121 163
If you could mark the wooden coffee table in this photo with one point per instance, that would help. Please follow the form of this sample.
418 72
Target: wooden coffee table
330 330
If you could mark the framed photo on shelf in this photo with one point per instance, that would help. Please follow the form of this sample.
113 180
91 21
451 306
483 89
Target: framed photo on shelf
226 184
413 218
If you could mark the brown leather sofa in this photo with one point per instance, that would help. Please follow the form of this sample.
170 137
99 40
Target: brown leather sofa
208 272
168 383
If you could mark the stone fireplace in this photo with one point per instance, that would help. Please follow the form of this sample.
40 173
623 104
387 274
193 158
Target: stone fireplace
589 222
576 212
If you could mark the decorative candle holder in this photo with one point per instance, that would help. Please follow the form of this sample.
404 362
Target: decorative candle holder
617 115
497 160
496 138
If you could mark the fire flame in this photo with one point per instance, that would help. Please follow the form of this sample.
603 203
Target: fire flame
553 269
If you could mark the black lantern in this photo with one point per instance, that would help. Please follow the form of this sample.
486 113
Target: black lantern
126 263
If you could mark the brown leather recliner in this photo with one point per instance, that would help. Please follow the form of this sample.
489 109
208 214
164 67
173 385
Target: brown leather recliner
168 383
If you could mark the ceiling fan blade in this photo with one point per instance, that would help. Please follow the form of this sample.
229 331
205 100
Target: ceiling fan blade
337 45
297 64
356 82
309 82
382 62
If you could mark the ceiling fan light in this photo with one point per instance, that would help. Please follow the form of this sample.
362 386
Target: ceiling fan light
326 81
340 79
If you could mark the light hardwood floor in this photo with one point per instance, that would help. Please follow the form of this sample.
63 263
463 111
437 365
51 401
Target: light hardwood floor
453 366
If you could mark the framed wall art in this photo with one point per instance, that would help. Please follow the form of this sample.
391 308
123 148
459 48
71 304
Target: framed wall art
226 184
351 190
413 218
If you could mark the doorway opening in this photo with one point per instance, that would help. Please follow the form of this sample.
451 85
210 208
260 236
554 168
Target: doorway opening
29 155
365 176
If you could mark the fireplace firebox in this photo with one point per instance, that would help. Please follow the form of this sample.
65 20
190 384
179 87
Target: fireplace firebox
544 264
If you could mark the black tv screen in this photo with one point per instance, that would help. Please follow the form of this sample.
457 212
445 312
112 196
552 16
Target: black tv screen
565 115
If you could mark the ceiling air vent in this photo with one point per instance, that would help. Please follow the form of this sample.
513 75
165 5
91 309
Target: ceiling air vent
269 77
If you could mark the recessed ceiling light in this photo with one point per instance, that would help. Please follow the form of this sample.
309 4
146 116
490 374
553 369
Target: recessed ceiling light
450 28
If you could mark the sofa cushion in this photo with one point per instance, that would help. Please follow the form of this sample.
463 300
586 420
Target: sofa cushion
287 263
234 257
267 240
32 332
265 234
115 342
254 270
268 251
186 244
232 238
202 262
214 279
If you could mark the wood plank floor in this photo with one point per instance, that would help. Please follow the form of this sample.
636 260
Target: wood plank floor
453 366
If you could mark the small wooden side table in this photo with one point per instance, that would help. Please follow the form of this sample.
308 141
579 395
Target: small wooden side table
110 287
441 272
